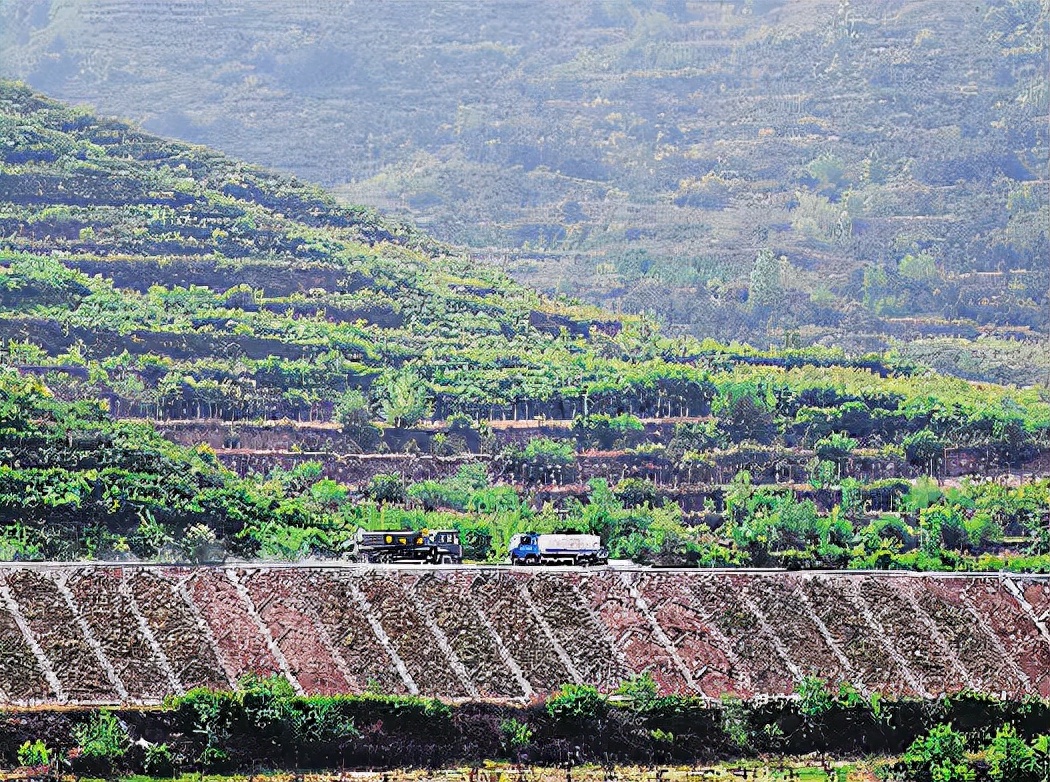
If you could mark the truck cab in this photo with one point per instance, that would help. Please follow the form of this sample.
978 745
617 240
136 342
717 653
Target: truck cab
524 549
446 546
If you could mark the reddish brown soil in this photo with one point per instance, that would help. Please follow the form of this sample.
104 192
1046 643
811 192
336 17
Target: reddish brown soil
235 632
174 623
874 668
691 634
75 665
112 622
148 632
637 643
388 592
285 600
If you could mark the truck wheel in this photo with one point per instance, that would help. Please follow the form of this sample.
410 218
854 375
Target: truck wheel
446 559
532 560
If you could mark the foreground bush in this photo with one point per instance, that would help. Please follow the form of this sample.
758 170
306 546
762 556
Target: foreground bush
263 724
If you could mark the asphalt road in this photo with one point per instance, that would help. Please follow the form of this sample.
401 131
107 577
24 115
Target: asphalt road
616 565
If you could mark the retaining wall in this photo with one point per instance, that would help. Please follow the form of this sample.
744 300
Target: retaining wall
134 634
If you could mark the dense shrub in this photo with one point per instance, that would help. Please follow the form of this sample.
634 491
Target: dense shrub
577 702
103 742
938 756
386 487
605 432
34 754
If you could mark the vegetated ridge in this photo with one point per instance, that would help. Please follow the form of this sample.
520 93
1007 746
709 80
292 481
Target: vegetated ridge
322 369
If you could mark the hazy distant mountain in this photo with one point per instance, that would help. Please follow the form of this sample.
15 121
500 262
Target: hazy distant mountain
642 153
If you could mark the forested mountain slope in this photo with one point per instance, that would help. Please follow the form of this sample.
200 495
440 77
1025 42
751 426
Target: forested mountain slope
319 369
848 171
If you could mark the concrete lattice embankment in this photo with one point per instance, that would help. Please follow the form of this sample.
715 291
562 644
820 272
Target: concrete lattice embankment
134 634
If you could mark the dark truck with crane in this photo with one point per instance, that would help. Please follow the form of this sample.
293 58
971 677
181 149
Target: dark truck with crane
426 547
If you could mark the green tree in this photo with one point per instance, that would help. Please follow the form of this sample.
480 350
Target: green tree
159 761
577 702
938 756
822 474
814 697
922 494
640 690
736 722
1041 757
835 448
1010 759
103 741
828 170
745 414
635 492
34 754
923 448
918 268
516 735
875 287
542 459
604 431
766 287
405 398
199 544
944 526
354 415
386 488
662 539
888 532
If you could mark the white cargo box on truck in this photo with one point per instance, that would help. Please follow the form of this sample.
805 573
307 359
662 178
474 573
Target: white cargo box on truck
568 544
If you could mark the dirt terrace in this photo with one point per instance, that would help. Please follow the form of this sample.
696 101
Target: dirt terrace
134 634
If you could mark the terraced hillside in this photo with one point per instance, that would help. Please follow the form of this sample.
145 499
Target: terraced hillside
642 154
352 372
134 634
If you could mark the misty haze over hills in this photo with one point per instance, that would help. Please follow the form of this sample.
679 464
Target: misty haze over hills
805 171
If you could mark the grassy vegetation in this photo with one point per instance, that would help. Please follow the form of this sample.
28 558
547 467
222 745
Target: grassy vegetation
1012 362
75 482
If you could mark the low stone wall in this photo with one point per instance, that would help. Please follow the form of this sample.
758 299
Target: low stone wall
352 469
134 634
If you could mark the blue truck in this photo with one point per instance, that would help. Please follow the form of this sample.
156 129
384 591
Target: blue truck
533 548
